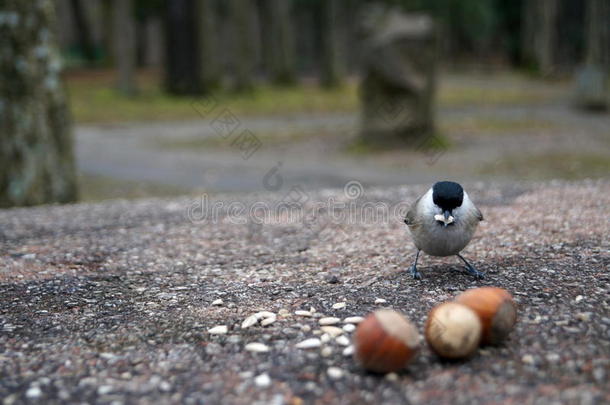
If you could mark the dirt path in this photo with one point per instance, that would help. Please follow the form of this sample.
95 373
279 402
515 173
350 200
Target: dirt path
112 302
494 141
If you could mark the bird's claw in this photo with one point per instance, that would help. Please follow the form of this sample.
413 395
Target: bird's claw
415 273
474 272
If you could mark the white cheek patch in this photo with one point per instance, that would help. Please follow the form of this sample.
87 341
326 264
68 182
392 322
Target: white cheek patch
441 218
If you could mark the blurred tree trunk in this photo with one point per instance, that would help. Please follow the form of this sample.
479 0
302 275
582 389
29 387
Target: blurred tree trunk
125 45
280 41
598 33
539 34
36 158
547 35
331 63
182 59
108 31
243 49
85 41
208 45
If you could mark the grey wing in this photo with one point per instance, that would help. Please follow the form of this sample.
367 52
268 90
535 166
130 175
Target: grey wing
410 218
479 214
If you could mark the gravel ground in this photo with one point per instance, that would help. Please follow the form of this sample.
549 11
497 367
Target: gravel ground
113 302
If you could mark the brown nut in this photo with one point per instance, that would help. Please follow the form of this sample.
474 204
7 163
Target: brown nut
453 330
385 341
496 310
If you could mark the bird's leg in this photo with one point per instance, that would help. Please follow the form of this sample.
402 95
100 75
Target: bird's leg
471 269
413 268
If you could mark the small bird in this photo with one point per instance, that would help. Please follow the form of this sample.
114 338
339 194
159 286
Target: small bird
442 222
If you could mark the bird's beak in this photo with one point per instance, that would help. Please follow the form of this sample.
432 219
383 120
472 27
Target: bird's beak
448 218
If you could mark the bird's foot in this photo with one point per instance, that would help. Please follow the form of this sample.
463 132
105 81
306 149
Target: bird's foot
474 272
415 273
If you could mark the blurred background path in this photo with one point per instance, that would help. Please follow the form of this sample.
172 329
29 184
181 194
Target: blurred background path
498 135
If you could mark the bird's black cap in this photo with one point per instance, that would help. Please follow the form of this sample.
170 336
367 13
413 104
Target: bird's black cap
447 195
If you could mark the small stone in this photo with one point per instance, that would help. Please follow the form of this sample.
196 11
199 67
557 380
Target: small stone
262 381
342 340
335 373
264 315
306 328
257 347
528 359
553 357
104 390
312 310
326 351
339 305
578 298
302 313
268 321
391 377
350 327
217 302
33 392
353 319
309 343
333 331
284 312
249 321
329 321
348 351
325 338
584 316
380 301
219 330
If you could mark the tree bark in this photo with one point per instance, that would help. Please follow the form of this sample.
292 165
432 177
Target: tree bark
331 66
598 33
36 157
547 36
208 45
125 46
83 32
280 41
242 47
182 59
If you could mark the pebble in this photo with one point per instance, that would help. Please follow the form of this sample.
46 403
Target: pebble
104 390
339 305
333 331
219 330
284 312
309 343
380 301
329 321
249 321
262 381
302 313
553 357
306 328
584 316
528 359
257 347
326 351
268 321
342 340
335 373
312 310
218 302
33 392
350 327
325 338
353 319
264 315
348 351
391 377
578 298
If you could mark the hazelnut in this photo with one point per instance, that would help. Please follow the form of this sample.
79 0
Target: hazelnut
453 330
496 310
385 341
